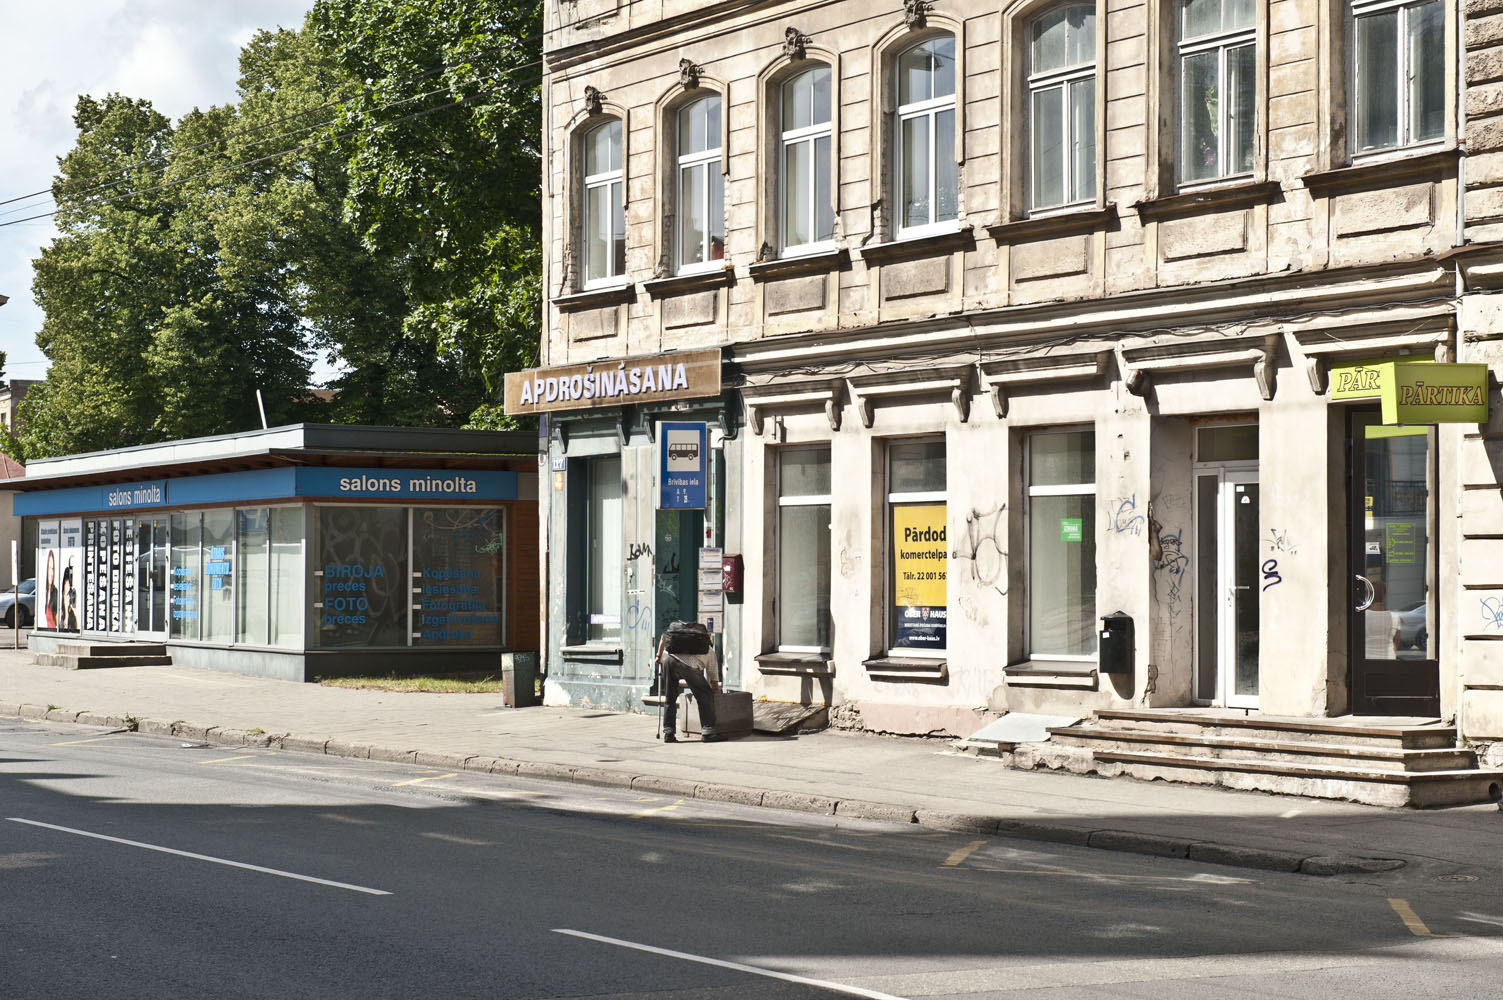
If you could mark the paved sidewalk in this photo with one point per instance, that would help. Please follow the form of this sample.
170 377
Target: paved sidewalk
847 774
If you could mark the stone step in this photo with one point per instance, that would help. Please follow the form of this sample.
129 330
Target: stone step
73 661
1106 738
1405 737
1419 789
112 648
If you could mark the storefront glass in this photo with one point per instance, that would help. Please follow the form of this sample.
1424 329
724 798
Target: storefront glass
1062 544
252 547
287 577
219 579
919 556
804 549
187 571
457 564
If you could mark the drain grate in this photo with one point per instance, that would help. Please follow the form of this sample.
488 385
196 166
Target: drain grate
1456 878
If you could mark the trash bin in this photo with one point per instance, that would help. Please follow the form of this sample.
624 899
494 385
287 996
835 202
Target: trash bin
1116 643
519 679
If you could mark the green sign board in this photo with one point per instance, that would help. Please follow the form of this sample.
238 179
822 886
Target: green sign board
1069 529
1417 392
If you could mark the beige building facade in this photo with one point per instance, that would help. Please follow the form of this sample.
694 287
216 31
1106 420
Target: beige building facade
1031 314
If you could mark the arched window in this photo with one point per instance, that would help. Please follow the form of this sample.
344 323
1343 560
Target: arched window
1061 110
806 209
927 181
1398 73
700 194
604 221
1217 88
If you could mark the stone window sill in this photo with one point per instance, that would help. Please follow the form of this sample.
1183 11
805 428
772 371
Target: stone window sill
814 263
1216 199
1374 173
596 298
1066 223
903 668
696 281
931 245
798 664
1052 673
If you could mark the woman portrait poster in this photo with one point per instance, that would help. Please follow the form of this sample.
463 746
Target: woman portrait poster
49 611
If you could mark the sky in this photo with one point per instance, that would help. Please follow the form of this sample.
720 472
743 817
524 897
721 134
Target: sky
179 54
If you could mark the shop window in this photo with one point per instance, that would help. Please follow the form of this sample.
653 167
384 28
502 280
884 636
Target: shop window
219 579
1398 74
185 586
928 178
363 591
700 194
286 603
604 223
1062 545
919 556
807 208
1217 88
457 565
804 549
1061 109
603 542
252 546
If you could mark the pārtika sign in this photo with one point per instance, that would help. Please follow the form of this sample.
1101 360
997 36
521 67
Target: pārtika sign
1417 392
688 375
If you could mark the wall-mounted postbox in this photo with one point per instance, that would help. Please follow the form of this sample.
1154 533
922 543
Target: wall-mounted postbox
730 574
1116 643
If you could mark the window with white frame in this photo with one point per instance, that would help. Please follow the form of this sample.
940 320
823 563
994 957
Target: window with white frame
604 223
604 544
918 556
807 209
700 196
928 178
1061 520
1061 111
803 612
1217 67
1398 74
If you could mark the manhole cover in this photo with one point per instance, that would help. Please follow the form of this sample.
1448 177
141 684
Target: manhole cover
1456 878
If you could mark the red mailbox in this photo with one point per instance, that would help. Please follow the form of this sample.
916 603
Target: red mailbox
730 574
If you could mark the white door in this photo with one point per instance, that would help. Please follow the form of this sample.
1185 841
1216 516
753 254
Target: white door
1227 587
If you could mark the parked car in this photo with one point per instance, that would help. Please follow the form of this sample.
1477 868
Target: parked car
1414 627
24 594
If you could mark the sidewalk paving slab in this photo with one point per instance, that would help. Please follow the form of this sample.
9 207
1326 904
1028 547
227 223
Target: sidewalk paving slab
850 775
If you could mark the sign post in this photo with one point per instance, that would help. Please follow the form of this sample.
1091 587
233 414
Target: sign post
682 465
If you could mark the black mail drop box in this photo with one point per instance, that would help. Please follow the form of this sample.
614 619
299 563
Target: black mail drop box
1116 643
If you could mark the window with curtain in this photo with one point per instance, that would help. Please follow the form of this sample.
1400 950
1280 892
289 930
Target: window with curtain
604 222
1398 75
807 211
700 194
804 549
928 178
1061 109
1062 544
1217 61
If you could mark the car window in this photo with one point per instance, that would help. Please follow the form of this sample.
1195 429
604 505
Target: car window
28 587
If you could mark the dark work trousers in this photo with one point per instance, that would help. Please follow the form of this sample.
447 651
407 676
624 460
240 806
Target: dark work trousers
676 668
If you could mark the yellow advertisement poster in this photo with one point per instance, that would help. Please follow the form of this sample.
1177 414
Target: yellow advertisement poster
920 555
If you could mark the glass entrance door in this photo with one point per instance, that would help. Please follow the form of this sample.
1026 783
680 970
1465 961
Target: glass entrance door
1227 591
151 577
1394 670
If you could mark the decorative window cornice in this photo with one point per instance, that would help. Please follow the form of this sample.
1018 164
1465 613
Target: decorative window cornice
688 73
795 43
916 13
592 100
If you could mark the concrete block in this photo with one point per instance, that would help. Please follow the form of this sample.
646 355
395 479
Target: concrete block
1482 32
482 765
1183 238
339 748
1051 258
799 802
603 776
1326 865
1382 210
92 719
881 811
61 715
714 791
393 755
1139 843
1482 67
1045 832
1481 715
191 731
448 761
303 744
1481 8
9 709
544 771
907 279
794 295
1245 857
939 819
228 737
154 727
682 787
502 765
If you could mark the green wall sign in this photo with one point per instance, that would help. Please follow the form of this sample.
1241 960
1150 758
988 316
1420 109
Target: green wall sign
1417 392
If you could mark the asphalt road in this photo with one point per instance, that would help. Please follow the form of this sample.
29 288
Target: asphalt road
135 866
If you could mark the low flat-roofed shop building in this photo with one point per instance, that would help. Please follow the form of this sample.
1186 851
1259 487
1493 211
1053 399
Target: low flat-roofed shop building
295 552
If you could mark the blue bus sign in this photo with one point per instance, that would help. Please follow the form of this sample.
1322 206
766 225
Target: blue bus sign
683 461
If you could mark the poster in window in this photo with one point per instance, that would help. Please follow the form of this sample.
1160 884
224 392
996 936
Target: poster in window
70 576
361 593
48 538
457 558
920 558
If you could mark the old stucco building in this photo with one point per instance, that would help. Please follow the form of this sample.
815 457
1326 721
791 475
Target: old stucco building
1022 314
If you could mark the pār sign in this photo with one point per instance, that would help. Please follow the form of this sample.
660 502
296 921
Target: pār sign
1417 392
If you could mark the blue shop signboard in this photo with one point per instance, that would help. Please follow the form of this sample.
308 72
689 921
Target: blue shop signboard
682 465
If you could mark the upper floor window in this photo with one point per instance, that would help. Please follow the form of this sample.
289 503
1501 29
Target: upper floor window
604 224
928 180
1062 107
807 209
1398 74
1217 88
701 186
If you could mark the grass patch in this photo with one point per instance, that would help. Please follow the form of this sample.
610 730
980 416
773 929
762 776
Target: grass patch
463 683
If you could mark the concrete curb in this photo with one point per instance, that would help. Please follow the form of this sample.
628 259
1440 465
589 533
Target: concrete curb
981 824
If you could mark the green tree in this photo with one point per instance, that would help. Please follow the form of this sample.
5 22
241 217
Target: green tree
445 189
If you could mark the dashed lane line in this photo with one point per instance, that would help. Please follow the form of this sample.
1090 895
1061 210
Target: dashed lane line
660 809
433 777
961 853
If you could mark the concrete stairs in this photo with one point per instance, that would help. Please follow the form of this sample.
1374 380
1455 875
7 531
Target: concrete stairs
1363 760
94 655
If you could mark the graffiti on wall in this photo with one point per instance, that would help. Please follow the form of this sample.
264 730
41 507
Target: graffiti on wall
1125 517
981 546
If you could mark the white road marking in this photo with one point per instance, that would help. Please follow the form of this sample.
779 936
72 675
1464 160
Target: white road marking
201 857
821 843
1290 814
735 966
